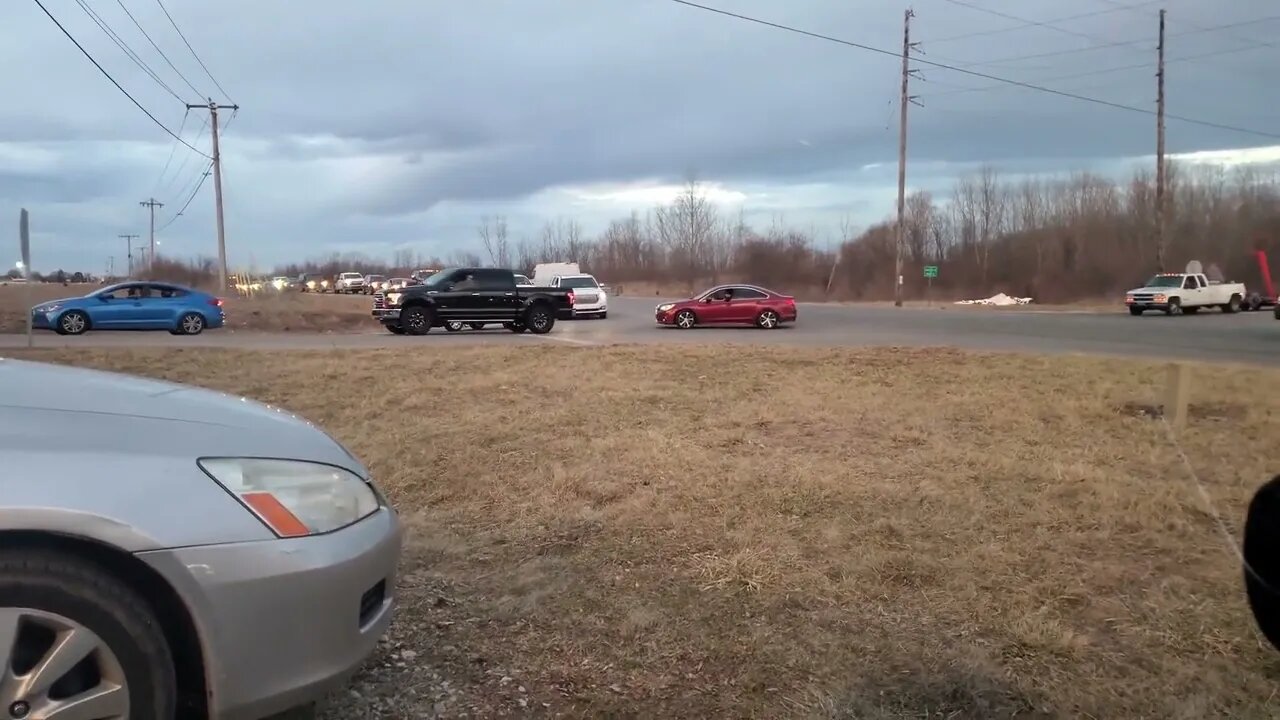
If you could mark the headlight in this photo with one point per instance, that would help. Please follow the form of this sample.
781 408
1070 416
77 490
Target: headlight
48 308
1161 298
292 497
665 307
393 298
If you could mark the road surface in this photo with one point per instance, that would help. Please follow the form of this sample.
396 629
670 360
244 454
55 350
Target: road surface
1252 338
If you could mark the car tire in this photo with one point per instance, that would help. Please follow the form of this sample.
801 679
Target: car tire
394 329
685 319
768 320
416 320
1174 307
515 327
476 326
1135 311
72 322
1190 310
604 315
1232 306
191 323
539 319
46 592
453 326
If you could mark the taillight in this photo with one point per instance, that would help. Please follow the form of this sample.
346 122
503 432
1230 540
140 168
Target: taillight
216 302
571 297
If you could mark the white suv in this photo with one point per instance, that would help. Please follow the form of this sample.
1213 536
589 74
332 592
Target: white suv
589 296
349 282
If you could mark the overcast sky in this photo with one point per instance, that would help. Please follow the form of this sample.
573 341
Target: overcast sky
399 123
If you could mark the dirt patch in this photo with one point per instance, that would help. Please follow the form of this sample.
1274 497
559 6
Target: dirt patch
708 532
1209 411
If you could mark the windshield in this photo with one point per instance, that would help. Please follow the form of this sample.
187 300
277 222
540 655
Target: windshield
1169 281
438 279
581 281
351 276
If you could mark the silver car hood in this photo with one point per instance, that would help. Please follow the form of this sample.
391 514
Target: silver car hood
122 413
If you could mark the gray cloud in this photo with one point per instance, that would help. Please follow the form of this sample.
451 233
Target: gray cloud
397 122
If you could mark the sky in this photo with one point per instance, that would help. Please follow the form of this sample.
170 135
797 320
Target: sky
399 124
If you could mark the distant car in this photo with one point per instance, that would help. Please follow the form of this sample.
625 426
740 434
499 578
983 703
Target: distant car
348 282
280 282
374 283
590 299
311 282
397 283
197 555
729 305
523 280
132 306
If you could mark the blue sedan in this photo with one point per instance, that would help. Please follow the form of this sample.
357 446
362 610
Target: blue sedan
132 306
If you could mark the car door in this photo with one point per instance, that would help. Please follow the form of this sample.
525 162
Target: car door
458 296
114 310
1191 291
716 307
745 304
500 302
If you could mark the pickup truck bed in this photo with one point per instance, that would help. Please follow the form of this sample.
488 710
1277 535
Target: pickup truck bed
471 295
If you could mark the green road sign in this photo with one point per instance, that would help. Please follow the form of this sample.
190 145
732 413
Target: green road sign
931 271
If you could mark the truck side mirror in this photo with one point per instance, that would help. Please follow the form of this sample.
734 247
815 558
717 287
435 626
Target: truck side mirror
1262 559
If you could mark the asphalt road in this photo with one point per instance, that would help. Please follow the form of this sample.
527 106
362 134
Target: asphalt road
1252 338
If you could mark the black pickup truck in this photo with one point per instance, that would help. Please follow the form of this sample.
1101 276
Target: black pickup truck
474 296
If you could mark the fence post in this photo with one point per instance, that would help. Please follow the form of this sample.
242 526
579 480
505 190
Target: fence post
1176 395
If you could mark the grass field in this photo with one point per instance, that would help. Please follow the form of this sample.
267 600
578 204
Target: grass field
808 533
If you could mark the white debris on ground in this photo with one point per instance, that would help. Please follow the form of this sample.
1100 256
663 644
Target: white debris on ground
999 299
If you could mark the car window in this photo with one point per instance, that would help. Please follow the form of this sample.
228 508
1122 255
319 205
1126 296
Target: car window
126 292
165 291
748 294
722 294
493 279
1189 284
578 282
465 280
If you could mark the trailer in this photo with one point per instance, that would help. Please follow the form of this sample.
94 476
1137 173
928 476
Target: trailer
1256 300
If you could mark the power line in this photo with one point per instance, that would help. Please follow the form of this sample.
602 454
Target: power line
975 73
1134 9
124 47
186 157
193 50
157 48
113 80
1036 23
1031 23
204 175
172 149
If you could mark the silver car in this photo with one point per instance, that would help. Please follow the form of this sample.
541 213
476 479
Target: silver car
167 551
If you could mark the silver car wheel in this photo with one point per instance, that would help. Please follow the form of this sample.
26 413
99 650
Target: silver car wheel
192 324
73 323
53 667
685 320
768 320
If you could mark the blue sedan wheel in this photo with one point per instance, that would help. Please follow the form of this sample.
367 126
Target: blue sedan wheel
72 322
191 324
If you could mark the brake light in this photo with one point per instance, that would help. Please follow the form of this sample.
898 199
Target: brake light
216 302
571 297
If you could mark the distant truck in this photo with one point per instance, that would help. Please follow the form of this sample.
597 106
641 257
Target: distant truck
1178 293
348 282
544 273
474 296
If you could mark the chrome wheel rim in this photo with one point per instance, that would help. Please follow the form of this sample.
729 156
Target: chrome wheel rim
768 320
453 326
73 323
53 667
192 324
685 320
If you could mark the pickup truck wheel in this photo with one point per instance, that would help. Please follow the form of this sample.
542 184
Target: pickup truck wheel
1135 311
416 320
476 326
1190 310
1174 307
515 327
539 320
453 326
1233 305
394 329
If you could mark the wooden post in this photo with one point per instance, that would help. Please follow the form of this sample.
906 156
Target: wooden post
1176 396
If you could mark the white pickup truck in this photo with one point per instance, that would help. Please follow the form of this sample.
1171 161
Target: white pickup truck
1177 293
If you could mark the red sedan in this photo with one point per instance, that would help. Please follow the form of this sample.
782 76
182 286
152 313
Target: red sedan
729 305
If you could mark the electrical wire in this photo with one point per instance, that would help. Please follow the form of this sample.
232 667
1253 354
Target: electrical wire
204 175
975 73
105 27
172 149
157 48
1030 23
119 87
186 158
1036 23
193 51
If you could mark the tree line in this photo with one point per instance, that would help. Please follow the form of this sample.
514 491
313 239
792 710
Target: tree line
1053 238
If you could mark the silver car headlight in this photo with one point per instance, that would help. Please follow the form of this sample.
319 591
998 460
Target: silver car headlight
295 498
665 307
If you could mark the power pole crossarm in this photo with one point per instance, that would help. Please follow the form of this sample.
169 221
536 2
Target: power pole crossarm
902 156
152 204
213 109
1160 208
128 246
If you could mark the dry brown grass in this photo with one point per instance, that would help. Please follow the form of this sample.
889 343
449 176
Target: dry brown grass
290 311
727 532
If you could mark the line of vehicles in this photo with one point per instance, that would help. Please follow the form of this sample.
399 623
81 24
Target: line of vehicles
1190 291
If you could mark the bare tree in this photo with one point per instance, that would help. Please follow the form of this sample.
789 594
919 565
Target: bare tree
686 227
493 236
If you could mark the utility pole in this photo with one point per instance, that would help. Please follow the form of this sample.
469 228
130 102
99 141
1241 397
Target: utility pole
111 265
213 109
128 242
902 155
1161 204
152 204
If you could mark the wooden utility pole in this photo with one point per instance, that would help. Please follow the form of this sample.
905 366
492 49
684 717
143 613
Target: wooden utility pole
152 204
128 243
213 109
1161 213
902 156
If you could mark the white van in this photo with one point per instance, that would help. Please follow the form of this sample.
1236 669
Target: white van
589 296
545 273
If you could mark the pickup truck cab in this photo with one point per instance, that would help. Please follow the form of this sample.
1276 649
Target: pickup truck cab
471 295
1177 293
